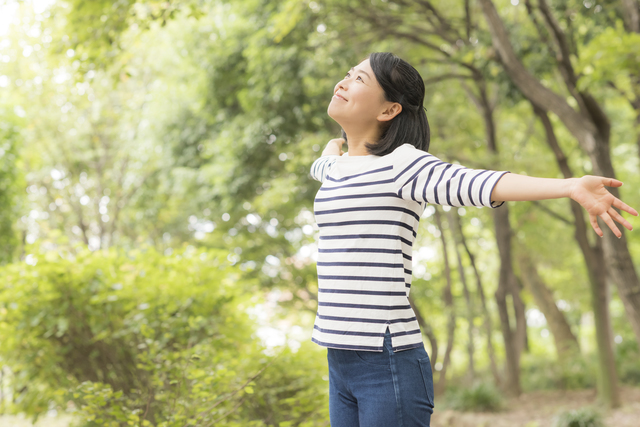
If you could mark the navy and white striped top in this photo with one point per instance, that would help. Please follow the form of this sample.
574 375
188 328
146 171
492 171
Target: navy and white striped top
367 211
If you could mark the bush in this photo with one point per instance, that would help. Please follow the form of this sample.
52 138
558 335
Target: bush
628 361
583 417
148 339
539 373
481 397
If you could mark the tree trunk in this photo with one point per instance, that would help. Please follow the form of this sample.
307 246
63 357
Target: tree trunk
453 217
567 345
488 324
607 378
631 15
591 127
636 106
427 330
596 267
447 296
507 283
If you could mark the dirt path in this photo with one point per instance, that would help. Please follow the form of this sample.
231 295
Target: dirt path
531 410
538 409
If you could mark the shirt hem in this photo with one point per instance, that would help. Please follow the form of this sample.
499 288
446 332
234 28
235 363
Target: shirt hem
407 347
366 348
347 346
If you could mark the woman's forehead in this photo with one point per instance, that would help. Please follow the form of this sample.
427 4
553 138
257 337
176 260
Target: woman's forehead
364 68
364 64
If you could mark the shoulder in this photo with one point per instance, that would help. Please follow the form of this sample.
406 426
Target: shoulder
408 150
406 153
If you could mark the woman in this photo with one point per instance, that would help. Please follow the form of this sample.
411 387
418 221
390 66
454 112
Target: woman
367 210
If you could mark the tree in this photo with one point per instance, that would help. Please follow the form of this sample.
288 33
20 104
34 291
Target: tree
590 126
447 297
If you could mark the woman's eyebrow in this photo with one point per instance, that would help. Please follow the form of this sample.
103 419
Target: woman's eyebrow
361 71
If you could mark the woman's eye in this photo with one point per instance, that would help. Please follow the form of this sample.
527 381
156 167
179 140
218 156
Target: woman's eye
360 79
348 75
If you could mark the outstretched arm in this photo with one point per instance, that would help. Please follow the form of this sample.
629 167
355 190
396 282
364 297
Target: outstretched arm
589 191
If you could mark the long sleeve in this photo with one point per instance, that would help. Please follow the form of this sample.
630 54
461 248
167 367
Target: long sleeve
423 177
322 166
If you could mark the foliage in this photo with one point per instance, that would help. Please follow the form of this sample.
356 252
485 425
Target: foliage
628 361
609 58
480 397
544 373
583 417
142 336
10 180
285 393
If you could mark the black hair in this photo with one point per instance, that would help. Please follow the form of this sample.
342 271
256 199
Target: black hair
403 84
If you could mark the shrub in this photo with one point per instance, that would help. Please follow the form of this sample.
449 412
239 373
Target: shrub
148 339
539 373
627 360
583 417
481 397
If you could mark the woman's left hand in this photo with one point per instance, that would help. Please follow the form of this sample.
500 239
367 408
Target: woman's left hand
591 193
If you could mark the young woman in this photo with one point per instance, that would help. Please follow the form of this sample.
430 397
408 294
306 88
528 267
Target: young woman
367 210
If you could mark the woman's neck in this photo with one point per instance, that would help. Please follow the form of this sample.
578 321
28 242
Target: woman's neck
357 143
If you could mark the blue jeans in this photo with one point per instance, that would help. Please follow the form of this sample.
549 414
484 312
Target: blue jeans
380 389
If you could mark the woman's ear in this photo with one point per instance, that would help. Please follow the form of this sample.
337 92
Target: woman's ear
392 110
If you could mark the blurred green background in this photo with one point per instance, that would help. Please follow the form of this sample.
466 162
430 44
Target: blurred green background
157 237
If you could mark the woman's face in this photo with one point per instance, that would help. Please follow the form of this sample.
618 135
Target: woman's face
358 99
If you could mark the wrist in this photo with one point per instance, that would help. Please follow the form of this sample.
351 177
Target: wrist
333 148
331 151
571 184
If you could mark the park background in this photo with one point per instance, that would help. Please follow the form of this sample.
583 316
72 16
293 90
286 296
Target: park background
157 237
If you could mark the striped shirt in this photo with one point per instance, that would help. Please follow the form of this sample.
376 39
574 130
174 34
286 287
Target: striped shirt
367 210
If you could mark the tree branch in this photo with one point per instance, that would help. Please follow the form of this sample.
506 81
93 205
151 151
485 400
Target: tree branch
631 15
218 402
467 19
444 24
388 26
634 103
552 213
531 87
541 31
443 77
563 54
225 415
471 94
586 102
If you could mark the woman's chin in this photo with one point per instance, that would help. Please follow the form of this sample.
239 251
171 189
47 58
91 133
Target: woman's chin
333 112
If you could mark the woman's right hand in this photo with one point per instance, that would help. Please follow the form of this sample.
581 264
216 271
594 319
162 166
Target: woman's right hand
592 194
334 147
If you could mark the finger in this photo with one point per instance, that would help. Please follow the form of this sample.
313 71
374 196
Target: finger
623 206
619 218
612 225
594 224
610 182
